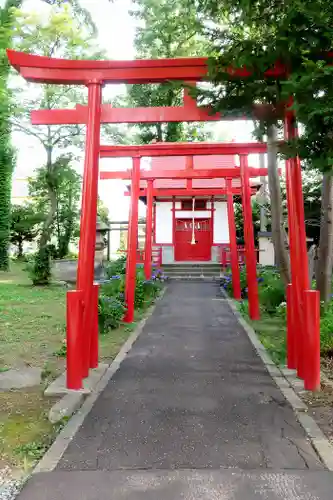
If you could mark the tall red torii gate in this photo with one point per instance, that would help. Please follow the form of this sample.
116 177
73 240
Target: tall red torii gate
303 303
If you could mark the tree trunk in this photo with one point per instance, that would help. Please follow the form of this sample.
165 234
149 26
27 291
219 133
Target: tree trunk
325 261
278 232
159 132
6 152
20 249
263 194
47 226
312 256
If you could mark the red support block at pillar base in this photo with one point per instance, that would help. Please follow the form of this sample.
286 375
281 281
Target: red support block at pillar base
74 338
292 329
312 345
94 327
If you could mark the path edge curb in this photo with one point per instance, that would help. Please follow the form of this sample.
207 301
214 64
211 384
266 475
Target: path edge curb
313 432
54 454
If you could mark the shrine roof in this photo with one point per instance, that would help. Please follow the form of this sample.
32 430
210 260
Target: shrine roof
199 162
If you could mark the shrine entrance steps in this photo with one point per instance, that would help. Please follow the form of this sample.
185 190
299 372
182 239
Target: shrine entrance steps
197 271
192 413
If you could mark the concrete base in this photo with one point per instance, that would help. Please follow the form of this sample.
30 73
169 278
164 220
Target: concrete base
58 386
66 407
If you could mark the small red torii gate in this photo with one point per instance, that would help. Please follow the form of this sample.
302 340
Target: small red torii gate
303 339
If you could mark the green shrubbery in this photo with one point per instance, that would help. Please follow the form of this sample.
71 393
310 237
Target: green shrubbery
111 308
110 313
116 267
274 308
326 331
39 267
271 288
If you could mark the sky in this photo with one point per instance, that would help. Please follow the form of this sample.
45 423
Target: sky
116 31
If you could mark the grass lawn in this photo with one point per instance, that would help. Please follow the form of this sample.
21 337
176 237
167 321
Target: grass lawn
272 334
32 328
271 331
32 320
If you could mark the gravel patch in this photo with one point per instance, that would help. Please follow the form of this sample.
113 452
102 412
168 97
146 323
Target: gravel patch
9 487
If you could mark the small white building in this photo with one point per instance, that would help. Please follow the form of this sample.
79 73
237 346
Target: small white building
191 228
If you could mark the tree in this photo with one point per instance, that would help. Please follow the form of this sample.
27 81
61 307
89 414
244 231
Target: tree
57 36
103 212
8 12
66 185
6 151
165 32
279 236
239 220
25 222
298 34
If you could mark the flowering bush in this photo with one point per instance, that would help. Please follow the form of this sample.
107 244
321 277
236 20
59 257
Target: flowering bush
116 267
271 288
112 293
271 291
281 310
110 313
226 282
158 275
114 287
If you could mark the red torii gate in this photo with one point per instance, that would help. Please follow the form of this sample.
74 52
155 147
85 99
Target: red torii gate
303 303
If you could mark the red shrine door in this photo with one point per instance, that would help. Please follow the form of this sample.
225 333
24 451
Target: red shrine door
184 250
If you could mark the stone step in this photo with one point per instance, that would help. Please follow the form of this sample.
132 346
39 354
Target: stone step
194 278
192 268
191 273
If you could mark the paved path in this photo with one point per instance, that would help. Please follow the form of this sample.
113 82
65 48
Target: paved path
191 414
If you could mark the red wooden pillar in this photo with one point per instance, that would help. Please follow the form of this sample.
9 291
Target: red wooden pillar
85 272
295 318
233 242
132 242
250 254
298 252
304 265
149 230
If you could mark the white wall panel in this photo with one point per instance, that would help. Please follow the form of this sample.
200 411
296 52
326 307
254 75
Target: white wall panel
221 226
164 222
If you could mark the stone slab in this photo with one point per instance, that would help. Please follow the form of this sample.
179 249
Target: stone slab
67 405
230 484
58 386
20 378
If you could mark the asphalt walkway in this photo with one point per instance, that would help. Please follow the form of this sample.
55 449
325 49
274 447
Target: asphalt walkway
192 413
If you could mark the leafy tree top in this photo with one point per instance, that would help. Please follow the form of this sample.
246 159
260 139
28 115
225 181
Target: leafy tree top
256 35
